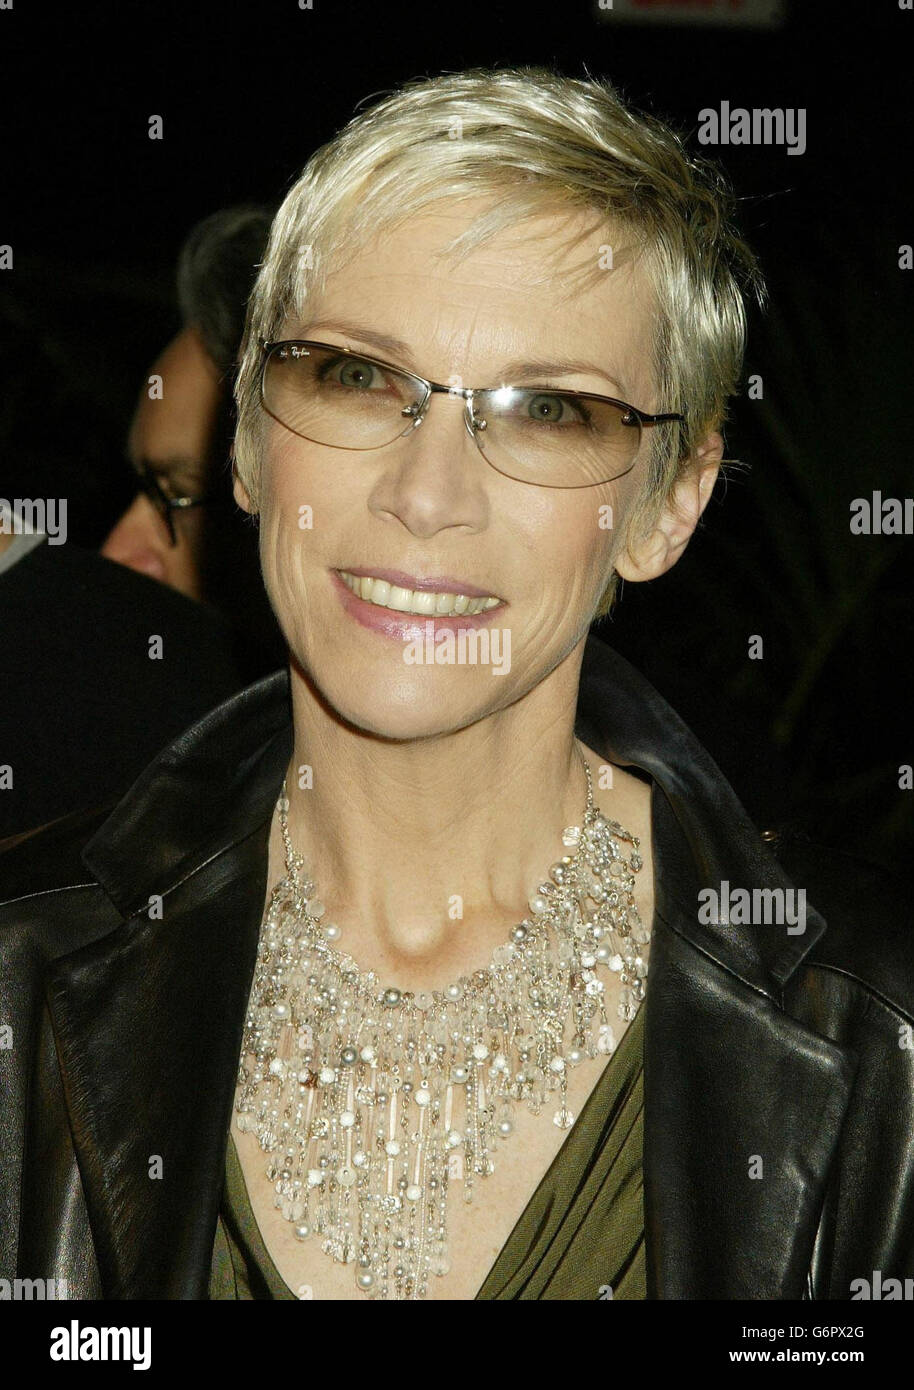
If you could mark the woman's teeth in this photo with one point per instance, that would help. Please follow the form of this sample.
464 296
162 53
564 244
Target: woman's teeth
421 601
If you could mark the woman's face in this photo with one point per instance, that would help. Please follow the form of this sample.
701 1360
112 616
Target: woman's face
428 505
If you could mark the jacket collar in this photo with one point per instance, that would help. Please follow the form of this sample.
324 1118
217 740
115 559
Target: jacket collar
149 1019
219 781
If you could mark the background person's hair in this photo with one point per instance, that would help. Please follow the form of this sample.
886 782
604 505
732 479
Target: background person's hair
217 266
537 142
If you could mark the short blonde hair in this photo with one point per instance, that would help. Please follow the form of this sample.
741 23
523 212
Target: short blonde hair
537 142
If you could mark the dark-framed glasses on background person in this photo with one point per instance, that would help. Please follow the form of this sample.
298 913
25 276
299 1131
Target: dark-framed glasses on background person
534 434
154 484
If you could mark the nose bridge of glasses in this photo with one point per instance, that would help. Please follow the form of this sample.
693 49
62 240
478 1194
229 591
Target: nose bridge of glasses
419 411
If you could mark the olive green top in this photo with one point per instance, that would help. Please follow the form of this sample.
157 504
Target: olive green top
581 1231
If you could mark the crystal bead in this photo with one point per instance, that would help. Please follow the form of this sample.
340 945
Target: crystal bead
346 1177
571 835
563 1119
422 1097
392 1148
327 1076
606 1041
413 1192
480 1052
315 1177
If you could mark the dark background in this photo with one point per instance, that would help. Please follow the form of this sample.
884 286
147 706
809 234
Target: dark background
813 734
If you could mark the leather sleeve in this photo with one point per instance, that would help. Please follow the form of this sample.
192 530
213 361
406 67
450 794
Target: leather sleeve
63 1249
857 988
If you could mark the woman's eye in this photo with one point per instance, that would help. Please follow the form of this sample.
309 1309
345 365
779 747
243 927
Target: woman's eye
556 410
357 374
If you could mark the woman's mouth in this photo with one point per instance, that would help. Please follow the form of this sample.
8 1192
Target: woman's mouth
403 612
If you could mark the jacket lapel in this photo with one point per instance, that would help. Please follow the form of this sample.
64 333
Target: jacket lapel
743 1104
149 1019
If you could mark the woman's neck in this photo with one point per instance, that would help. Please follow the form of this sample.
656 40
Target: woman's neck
426 852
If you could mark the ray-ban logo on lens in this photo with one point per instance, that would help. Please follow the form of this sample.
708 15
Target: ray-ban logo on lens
759 126
469 646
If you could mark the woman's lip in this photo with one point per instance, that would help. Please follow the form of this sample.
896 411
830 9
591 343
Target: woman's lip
438 583
405 627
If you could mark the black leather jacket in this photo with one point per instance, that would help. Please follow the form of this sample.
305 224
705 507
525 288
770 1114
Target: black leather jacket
126 1028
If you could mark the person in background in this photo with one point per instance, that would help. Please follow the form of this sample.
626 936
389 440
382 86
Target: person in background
182 527
89 695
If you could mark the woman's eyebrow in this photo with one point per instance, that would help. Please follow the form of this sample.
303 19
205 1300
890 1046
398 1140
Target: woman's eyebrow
517 370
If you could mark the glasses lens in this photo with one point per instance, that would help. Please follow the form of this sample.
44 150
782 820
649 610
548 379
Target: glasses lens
555 438
333 397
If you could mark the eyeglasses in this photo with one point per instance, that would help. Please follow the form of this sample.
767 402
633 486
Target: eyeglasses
534 434
150 483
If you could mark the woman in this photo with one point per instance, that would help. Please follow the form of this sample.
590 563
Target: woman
344 998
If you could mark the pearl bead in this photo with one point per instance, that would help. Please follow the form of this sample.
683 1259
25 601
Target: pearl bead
348 1056
413 1193
480 1052
392 1148
327 1075
332 932
422 1097
347 1119
391 997
302 1231
505 1127
365 1280
367 1054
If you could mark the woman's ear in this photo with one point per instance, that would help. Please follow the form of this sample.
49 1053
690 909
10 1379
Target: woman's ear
239 491
654 554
